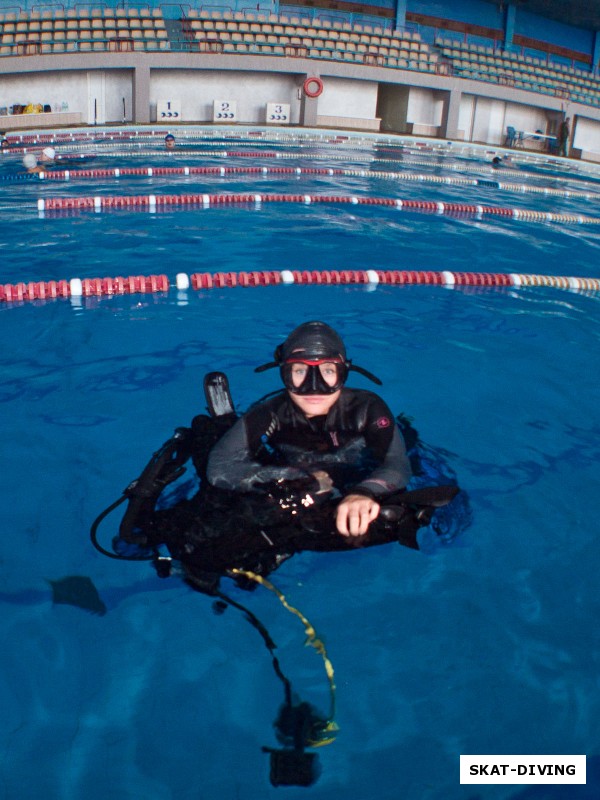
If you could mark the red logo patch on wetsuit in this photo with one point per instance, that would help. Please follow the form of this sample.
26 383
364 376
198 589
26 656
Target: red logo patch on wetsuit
383 422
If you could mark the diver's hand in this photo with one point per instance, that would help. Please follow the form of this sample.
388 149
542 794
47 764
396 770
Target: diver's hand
355 513
324 481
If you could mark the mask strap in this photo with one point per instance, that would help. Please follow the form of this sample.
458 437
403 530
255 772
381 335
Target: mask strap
364 372
264 367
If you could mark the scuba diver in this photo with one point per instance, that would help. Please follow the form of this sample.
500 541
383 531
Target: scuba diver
316 466
317 431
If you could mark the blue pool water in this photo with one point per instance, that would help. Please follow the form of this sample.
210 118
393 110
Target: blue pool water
486 646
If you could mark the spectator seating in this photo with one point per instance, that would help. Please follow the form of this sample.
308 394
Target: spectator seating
522 72
81 30
262 34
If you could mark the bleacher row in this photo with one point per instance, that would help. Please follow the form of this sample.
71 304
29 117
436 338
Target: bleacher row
522 72
79 29
297 37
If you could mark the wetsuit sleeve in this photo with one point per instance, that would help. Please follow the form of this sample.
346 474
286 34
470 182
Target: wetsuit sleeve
385 441
233 463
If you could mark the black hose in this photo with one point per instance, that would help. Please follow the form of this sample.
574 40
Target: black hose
98 546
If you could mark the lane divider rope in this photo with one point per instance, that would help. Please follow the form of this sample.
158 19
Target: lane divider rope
246 138
95 287
153 202
356 143
87 174
488 169
461 167
297 138
156 136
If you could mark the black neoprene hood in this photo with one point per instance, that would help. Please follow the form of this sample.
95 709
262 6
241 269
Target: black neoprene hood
313 340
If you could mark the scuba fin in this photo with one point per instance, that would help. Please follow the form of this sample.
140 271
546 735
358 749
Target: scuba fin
435 496
418 505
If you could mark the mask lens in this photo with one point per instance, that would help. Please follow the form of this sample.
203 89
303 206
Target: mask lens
298 373
313 377
330 373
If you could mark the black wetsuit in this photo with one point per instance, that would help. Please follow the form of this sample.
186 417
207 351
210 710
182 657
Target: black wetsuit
259 502
358 444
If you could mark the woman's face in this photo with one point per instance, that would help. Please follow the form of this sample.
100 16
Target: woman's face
314 405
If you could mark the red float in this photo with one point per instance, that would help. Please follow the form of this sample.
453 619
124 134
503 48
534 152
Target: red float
313 87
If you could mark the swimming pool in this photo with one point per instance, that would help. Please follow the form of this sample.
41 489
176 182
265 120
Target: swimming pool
487 646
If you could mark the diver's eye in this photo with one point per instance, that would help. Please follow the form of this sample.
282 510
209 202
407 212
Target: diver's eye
299 372
329 373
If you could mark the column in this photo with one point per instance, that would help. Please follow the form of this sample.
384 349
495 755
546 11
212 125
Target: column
509 24
141 94
596 52
400 14
449 126
309 106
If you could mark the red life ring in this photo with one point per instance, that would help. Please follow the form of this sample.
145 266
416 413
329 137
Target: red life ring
313 87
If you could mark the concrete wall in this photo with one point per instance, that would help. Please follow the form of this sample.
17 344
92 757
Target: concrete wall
197 90
488 121
548 30
425 107
54 89
478 12
95 85
77 90
491 15
347 98
587 137
466 116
